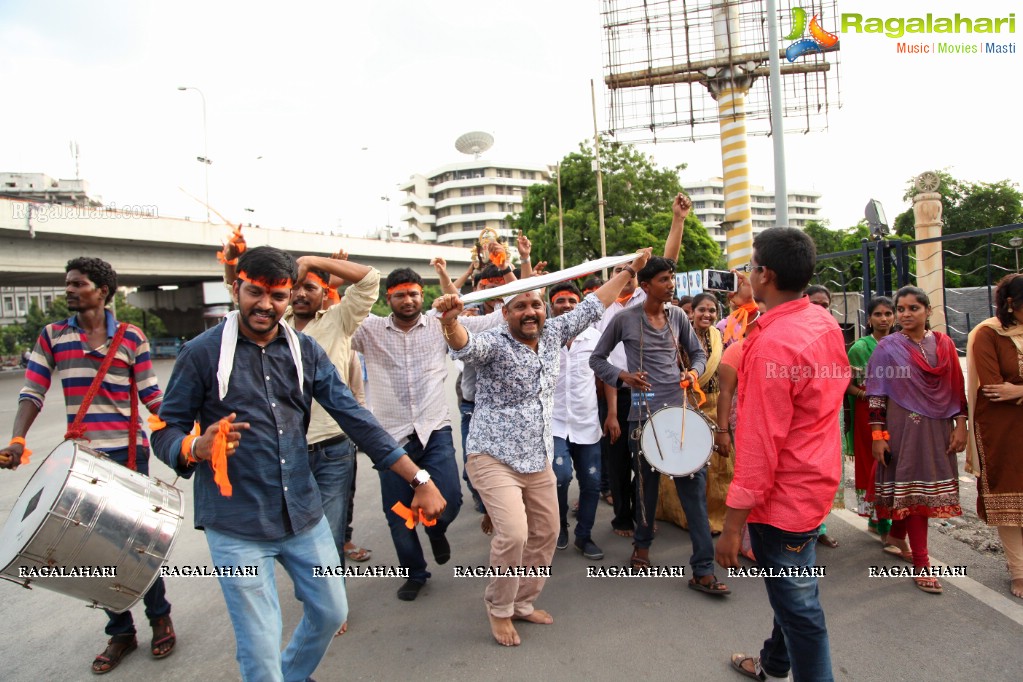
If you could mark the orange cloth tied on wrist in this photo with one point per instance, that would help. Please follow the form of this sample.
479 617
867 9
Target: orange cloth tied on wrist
221 258
404 287
265 283
155 423
738 322
879 435
410 522
219 458
25 452
693 381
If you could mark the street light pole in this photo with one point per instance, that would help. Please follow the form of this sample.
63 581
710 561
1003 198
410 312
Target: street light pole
1015 243
205 146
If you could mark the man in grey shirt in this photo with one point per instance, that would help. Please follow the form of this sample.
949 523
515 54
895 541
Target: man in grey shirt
653 336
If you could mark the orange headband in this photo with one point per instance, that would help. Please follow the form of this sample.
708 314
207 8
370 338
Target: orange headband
404 287
495 281
590 290
316 279
266 284
564 294
332 295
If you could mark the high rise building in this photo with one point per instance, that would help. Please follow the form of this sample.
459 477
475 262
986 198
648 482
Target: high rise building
452 204
709 206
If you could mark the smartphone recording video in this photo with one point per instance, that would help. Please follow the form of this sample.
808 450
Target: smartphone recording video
720 280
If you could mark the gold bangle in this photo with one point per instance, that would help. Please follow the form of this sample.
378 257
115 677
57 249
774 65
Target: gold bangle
444 330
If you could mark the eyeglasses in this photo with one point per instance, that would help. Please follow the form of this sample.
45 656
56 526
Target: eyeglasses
749 267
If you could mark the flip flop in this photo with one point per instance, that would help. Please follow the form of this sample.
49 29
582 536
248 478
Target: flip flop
827 540
714 587
929 585
895 551
360 554
737 665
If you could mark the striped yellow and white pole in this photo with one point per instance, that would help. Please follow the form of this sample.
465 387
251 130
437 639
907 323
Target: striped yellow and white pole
735 170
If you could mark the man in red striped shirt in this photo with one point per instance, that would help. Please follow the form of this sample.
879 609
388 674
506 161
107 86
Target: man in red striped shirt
787 453
75 348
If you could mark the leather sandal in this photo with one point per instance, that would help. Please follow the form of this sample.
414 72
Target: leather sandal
164 638
118 647
712 587
640 558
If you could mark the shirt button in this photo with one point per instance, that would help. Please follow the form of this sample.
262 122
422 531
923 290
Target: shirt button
285 488
281 431
273 404
282 461
268 378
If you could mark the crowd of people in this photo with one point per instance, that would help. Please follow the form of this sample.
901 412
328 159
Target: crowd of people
277 392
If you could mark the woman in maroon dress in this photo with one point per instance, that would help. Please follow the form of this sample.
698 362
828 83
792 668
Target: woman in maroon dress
995 357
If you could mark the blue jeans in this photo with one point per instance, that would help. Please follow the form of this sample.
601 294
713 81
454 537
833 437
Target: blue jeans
255 609
692 493
586 459
438 458
155 597
465 408
799 639
333 467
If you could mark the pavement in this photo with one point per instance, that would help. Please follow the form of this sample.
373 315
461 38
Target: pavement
605 628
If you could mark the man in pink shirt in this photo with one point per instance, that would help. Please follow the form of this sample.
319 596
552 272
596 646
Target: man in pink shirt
793 373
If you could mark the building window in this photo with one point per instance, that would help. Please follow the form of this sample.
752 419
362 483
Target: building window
8 306
22 304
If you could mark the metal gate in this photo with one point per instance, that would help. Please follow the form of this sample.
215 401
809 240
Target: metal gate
970 263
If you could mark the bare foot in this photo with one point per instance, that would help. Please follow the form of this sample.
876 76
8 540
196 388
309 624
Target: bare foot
343 630
504 631
1017 588
622 533
486 525
537 616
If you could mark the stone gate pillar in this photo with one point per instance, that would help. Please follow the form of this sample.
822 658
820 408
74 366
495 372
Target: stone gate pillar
930 270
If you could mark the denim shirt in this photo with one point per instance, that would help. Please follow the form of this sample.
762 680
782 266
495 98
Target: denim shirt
274 493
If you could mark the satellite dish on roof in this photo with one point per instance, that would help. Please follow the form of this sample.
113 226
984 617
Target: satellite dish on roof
474 143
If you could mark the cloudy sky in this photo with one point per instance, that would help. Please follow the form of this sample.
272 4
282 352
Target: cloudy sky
315 111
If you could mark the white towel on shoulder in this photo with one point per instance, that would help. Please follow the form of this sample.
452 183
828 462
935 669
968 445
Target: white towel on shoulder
229 342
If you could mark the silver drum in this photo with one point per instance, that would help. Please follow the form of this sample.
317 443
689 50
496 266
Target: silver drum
82 512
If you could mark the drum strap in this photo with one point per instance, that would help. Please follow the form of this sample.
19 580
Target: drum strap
77 429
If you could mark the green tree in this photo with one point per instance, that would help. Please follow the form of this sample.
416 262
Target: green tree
637 210
968 206
149 323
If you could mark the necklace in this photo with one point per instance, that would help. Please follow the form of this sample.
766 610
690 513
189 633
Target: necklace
919 344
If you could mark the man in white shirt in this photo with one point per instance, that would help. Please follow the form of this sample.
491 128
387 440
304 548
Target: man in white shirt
576 427
405 359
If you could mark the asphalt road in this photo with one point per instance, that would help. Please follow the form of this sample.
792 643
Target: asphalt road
605 628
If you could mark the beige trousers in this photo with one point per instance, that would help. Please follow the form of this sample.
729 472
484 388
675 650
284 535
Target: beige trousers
524 511
1012 542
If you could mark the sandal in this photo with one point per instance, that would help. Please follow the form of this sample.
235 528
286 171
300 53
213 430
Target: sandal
164 639
894 550
118 647
640 561
827 540
356 553
713 587
608 497
929 585
739 665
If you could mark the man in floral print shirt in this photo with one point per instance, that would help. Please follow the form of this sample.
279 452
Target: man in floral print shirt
510 440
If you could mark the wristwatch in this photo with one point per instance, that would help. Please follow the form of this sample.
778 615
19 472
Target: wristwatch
422 477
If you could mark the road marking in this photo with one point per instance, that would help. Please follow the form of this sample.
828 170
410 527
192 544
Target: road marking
1002 604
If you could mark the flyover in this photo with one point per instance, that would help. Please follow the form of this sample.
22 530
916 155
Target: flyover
172 261
37 240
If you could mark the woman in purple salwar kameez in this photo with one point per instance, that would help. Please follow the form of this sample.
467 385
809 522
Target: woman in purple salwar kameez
918 422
